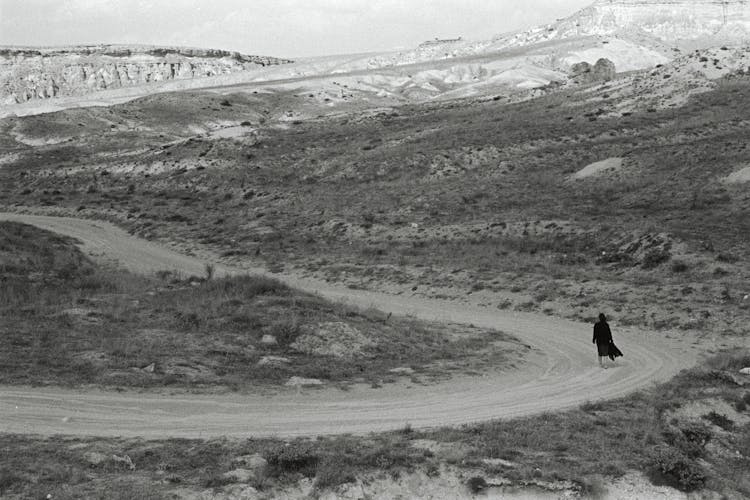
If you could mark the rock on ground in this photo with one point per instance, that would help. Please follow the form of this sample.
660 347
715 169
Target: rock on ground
604 70
334 338
273 361
300 381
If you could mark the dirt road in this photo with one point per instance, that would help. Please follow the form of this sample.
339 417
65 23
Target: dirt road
564 375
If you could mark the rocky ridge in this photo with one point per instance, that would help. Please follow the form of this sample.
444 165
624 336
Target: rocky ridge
41 73
659 23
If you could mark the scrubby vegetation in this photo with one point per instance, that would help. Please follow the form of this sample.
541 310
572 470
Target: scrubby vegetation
452 197
68 321
655 432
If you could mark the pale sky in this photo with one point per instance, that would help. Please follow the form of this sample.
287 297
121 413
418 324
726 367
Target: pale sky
283 28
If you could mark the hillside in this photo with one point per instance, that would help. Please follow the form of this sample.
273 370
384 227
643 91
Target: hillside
667 23
634 35
68 321
29 73
454 197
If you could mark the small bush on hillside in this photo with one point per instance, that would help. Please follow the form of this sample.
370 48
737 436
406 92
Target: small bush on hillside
297 458
690 438
655 258
719 420
9 479
679 266
672 467
285 330
696 432
477 484
332 472
248 286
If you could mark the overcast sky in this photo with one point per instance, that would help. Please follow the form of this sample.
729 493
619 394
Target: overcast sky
270 27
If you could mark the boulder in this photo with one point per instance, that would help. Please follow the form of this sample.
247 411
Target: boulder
272 361
253 462
300 381
95 458
402 370
603 70
249 468
579 69
124 460
268 340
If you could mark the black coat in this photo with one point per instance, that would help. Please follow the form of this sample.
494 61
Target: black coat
604 342
602 333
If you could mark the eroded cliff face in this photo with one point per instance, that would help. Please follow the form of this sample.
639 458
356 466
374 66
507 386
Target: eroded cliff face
39 73
672 21
657 24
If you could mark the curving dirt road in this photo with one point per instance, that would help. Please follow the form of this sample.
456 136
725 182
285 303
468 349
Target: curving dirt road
565 375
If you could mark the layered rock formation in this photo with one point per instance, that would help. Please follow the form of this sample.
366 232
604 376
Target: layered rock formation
672 21
655 23
582 72
43 73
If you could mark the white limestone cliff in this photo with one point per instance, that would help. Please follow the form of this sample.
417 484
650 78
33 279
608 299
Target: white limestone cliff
671 22
43 73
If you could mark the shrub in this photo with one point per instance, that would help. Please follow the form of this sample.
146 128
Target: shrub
655 258
210 269
332 473
476 484
8 480
689 438
679 266
719 420
299 457
696 432
672 467
592 487
217 480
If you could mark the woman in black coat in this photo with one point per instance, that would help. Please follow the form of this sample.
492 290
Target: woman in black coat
605 346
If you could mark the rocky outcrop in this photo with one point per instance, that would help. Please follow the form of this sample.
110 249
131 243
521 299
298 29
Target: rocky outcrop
44 73
671 22
582 72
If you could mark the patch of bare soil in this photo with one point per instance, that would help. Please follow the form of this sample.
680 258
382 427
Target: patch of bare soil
598 168
738 176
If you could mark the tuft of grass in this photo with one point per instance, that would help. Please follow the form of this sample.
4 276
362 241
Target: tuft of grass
298 458
476 484
719 420
332 472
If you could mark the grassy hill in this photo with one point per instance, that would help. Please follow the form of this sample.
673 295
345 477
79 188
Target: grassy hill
68 321
467 196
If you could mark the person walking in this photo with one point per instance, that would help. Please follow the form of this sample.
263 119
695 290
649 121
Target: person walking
605 346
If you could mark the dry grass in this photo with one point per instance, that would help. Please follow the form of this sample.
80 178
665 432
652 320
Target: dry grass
310 195
67 321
